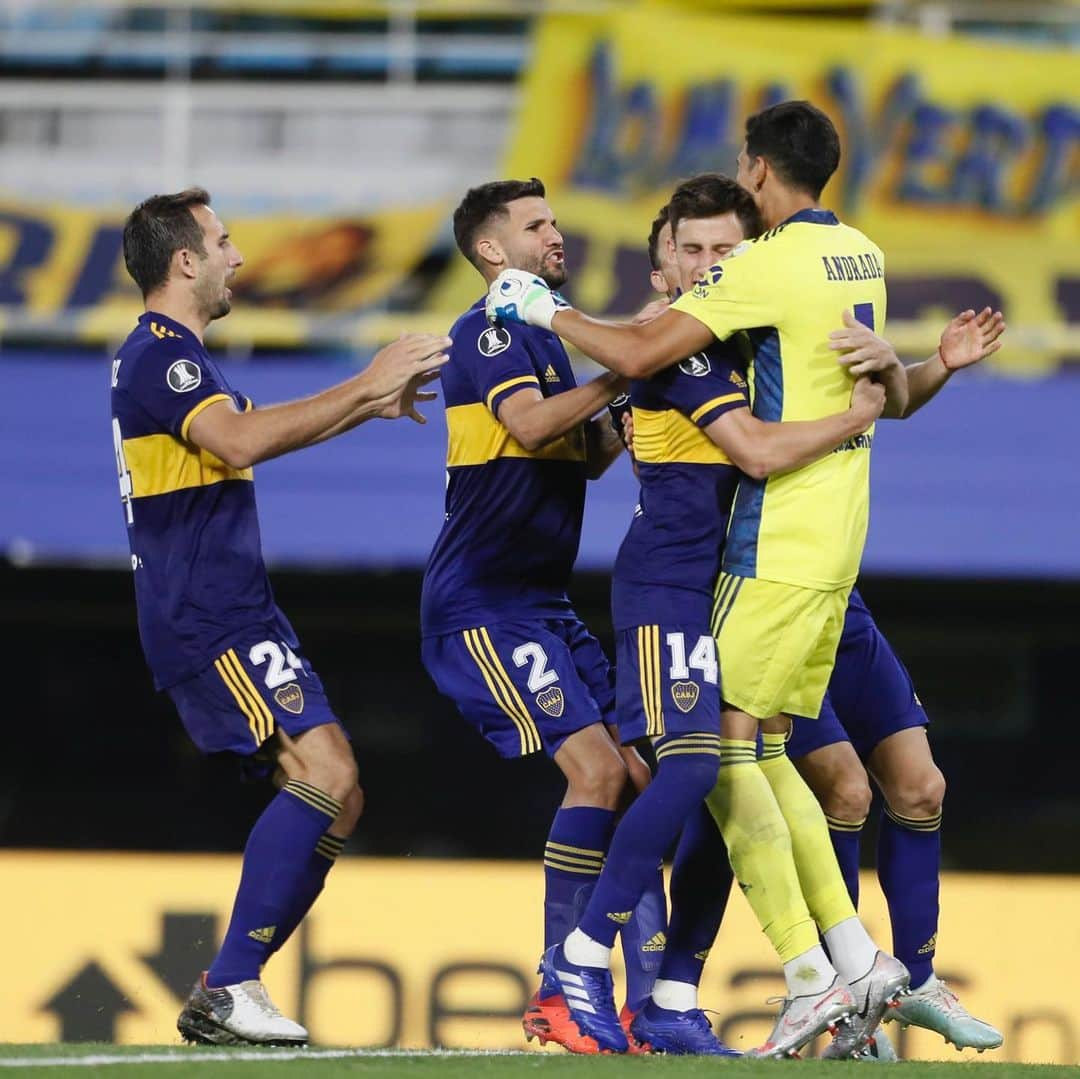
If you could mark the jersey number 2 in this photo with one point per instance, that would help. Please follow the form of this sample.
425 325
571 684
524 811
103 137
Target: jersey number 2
539 675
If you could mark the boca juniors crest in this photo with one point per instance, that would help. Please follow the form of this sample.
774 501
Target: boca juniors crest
685 695
552 701
291 698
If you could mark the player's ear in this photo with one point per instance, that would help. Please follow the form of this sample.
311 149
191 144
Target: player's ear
490 253
656 279
759 172
185 261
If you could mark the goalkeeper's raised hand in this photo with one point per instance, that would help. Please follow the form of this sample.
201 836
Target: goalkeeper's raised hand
520 296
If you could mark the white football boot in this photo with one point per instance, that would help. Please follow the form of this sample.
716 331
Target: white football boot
934 1006
803 1018
878 989
241 1014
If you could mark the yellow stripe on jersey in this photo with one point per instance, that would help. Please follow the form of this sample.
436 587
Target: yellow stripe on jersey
476 437
521 380
668 437
260 720
204 404
160 464
502 689
715 403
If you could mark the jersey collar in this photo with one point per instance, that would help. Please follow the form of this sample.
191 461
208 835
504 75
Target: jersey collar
167 323
813 216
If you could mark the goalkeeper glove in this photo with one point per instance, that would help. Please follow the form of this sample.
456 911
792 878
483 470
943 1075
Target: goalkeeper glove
520 296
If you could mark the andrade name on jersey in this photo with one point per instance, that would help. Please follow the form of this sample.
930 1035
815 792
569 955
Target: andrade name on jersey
853 267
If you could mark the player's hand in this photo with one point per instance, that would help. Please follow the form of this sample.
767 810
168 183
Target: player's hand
651 310
864 353
867 401
412 355
970 338
628 431
520 296
404 403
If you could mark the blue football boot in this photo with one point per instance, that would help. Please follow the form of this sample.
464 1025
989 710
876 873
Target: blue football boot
679 1033
589 993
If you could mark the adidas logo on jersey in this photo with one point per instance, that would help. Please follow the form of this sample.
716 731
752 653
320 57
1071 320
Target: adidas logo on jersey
551 375
264 935
162 332
620 917
655 943
737 379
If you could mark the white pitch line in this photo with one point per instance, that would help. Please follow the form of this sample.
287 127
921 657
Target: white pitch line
201 1056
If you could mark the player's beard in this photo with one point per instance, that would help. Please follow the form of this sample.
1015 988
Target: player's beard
552 276
213 305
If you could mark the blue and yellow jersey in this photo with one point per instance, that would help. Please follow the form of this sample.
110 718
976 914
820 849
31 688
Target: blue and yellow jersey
668 564
513 516
788 289
191 519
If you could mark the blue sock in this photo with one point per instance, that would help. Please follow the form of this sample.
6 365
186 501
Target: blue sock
273 878
909 864
644 939
701 879
573 857
846 839
687 770
318 865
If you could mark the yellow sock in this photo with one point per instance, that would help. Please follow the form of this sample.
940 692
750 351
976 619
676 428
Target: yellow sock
815 860
759 846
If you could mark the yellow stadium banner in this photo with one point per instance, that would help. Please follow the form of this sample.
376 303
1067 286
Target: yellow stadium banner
305 279
960 156
413 953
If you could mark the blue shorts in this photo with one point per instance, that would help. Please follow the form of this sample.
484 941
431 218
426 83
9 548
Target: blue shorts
251 690
524 686
667 681
870 697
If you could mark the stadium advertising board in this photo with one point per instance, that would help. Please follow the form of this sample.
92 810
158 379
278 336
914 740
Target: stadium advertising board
959 156
424 953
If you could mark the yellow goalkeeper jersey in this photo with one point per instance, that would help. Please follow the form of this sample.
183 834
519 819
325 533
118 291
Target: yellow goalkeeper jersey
788 290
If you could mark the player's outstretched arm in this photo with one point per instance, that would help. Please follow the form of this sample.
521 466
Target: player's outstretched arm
968 339
759 448
388 385
633 350
535 420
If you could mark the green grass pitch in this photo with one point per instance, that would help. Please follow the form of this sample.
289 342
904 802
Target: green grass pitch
133 1062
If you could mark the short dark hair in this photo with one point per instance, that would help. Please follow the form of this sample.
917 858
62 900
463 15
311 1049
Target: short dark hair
482 203
661 219
798 140
156 229
710 195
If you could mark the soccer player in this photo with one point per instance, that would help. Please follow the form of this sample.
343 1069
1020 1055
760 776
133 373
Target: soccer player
214 639
500 637
872 720
691 422
869 684
794 542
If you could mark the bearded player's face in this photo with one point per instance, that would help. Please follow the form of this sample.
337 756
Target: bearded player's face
530 240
